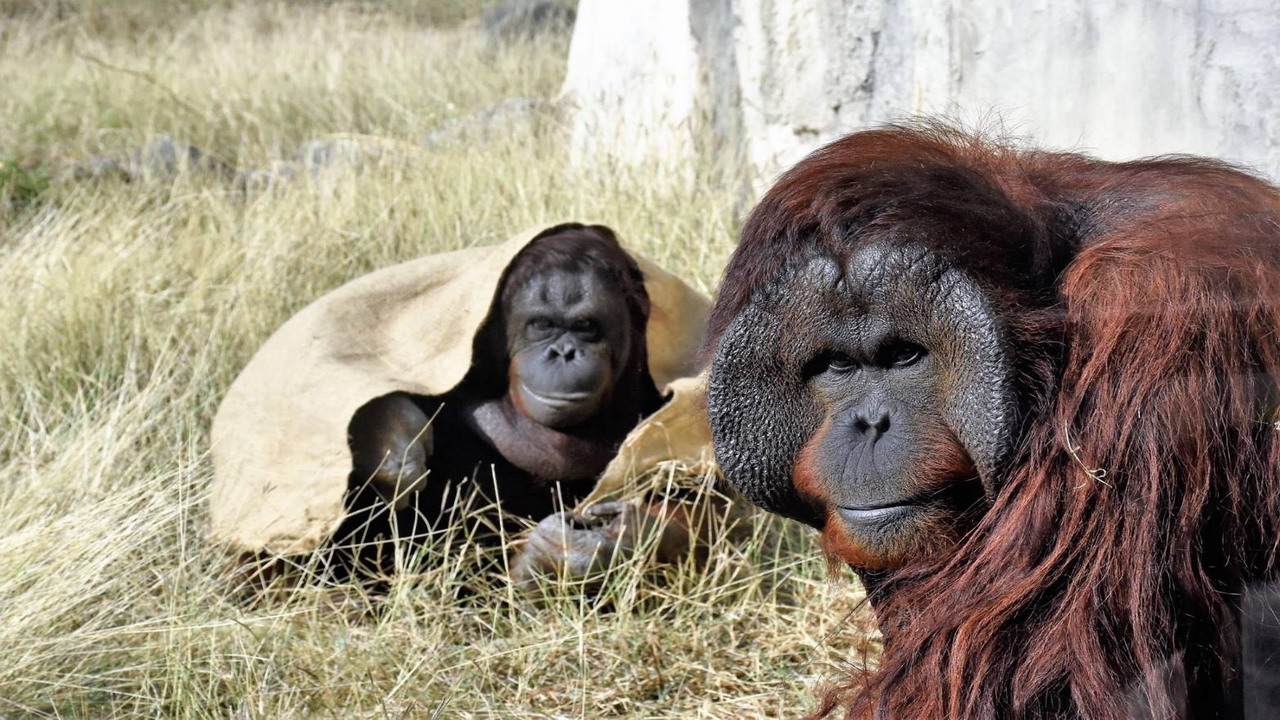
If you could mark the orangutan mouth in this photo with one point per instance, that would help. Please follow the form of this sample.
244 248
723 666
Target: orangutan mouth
557 400
878 514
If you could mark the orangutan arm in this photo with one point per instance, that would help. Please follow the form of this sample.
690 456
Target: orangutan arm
391 444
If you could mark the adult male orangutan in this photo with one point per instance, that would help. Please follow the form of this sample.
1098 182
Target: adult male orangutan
1031 398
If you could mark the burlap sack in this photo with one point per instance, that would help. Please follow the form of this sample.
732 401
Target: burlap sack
279 440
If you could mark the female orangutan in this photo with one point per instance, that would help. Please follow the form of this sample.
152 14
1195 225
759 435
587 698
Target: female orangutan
475 392
1031 398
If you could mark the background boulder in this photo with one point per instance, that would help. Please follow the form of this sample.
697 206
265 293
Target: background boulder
162 158
527 19
762 82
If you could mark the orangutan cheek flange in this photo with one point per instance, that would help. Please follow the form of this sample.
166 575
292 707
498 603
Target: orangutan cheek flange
876 422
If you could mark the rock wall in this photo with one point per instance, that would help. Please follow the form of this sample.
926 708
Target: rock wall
762 82
633 80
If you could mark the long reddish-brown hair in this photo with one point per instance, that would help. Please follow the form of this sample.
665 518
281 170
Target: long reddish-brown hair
1145 490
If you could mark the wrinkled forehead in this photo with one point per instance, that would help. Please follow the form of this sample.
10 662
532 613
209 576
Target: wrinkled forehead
877 278
564 289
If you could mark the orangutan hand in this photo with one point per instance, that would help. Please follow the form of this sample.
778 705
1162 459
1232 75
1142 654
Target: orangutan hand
577 546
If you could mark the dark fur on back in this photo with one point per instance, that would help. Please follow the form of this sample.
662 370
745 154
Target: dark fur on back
1144 492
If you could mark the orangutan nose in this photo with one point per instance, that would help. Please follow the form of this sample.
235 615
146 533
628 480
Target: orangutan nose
564 351
870 426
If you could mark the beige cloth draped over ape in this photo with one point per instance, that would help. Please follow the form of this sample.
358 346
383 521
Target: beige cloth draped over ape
279 440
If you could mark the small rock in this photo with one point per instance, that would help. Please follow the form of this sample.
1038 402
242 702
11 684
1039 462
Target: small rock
514 20
163 158
345 151
322 157
262 179
513 116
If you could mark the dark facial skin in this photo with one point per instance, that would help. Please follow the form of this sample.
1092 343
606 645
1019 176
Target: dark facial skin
871 399
567 334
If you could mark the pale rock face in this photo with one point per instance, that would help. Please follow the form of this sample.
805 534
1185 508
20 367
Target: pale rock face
633 81
774 79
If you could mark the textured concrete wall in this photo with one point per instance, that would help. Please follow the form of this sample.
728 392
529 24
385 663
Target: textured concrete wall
773 79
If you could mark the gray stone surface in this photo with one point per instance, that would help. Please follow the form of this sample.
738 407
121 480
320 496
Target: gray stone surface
275 174
321 158
513 20
773 79
160 159
339 151
325 158
633 83
511 117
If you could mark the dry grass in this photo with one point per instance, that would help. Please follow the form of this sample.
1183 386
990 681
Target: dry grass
130 307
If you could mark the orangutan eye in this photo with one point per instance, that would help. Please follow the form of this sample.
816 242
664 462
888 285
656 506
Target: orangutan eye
840 363
903 354
541 324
